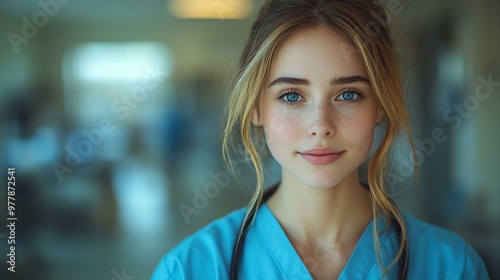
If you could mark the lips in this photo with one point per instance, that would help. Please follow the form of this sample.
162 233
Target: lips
321 156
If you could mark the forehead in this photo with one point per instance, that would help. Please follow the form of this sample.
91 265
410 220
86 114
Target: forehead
320 51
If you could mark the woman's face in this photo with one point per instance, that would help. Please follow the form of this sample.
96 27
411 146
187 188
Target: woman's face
317 109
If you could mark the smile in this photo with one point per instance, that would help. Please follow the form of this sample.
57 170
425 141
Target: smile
322 156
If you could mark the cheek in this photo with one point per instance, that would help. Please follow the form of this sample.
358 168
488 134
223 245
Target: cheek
359 130
280 128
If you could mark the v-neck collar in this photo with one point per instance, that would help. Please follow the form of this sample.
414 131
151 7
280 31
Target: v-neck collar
279 246
361 264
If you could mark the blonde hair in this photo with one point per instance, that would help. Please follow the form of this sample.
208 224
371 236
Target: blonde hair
364 23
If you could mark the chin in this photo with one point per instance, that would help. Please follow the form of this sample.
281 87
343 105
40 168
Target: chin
327 178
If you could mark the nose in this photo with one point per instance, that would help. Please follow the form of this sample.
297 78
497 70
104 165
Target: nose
322 121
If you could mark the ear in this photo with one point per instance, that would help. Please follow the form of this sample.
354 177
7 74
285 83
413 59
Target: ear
256 117
380 115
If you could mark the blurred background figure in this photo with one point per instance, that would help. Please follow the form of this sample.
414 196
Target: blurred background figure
110 111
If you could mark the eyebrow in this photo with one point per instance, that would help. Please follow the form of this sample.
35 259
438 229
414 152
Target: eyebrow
305 82
349 80
289 81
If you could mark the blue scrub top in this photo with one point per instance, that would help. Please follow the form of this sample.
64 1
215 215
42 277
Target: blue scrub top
434 253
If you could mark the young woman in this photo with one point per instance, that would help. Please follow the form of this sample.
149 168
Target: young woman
315 78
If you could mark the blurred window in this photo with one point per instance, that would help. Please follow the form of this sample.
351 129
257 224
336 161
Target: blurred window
115 80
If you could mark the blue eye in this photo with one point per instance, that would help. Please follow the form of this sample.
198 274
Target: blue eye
290 97
349 95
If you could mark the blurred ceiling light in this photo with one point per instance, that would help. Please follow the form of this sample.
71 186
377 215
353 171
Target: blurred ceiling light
210 9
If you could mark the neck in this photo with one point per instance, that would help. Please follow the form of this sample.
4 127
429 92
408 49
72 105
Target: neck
339 213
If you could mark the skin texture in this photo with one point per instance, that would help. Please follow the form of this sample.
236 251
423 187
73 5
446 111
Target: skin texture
319 201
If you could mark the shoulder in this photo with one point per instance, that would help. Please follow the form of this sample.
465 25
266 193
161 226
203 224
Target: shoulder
206 252
425 233
441 253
